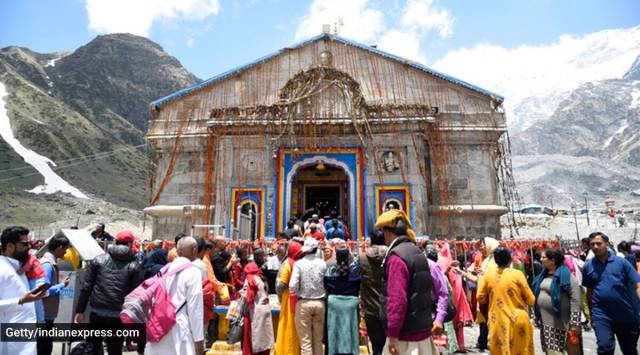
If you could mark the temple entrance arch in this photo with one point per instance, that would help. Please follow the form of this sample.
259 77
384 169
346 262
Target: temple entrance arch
323 195
348 163
320 188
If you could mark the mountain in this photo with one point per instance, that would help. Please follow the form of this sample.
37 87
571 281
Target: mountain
590 143
86 110
634 72
535 79
560 180
534 109
599 119
113 74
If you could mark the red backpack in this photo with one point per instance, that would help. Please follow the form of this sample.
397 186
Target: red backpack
150 303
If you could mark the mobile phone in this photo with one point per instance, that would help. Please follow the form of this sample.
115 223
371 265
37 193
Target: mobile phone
41 288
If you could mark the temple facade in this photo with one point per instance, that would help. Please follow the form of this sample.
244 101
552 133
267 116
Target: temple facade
333 126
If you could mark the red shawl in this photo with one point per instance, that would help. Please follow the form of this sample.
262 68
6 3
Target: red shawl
295 252
252 270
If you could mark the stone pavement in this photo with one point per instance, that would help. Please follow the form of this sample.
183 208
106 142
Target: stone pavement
471 334
588 340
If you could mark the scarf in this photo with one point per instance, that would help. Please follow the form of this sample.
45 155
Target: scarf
252 270
295 252
33 268
561 283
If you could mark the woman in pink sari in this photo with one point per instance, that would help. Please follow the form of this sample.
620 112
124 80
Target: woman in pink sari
463 311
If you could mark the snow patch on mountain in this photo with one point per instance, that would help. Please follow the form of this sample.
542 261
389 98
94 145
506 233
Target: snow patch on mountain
52 181
52 62
623 125
542 72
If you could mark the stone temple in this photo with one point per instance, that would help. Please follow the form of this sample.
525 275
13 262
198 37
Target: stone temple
334 125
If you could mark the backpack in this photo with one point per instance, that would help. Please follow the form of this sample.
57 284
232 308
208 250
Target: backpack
150 303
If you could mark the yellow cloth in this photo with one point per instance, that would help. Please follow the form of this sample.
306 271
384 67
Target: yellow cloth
173 254
211 276
287 342
389 218
488 265
507 293
72 256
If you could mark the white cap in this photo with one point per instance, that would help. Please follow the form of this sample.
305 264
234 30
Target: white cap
309 244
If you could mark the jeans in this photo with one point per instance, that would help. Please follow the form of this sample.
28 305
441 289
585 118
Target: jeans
45 345
626 333
376 333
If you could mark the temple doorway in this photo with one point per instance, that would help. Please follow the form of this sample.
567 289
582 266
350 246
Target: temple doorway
321 189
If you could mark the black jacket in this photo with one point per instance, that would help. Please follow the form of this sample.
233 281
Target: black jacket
109 278
372 275
219 263
418 317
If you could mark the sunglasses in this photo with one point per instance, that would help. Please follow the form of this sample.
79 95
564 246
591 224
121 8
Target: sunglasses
23 242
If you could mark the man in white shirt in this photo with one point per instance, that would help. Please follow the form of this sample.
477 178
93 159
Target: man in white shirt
16 300
307 282
187 335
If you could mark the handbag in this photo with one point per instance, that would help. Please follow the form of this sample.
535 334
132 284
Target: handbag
235 331
237 309
451 307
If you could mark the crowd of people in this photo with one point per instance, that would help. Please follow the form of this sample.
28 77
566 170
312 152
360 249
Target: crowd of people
401 295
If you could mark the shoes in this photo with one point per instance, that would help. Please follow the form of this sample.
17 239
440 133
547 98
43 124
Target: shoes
476 349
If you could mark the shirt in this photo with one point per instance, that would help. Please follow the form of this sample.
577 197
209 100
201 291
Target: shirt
13 287
203 268
397 288
613 283
273 263
307 278
54 289
185 288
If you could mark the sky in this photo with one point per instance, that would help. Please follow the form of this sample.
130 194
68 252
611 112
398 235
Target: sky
503 46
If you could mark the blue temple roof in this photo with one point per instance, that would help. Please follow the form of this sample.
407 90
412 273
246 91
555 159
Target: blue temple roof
227 74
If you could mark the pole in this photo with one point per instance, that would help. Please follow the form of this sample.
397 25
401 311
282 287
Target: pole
575 219
533 269
586 204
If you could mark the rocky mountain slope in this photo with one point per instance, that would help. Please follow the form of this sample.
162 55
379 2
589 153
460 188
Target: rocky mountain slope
86 111
590 143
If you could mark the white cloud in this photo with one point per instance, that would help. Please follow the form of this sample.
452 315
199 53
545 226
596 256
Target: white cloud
363 21
137 16
403 44
538 71
423 15
190 42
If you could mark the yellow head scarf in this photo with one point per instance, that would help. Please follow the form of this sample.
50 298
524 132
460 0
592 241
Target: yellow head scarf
388 219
